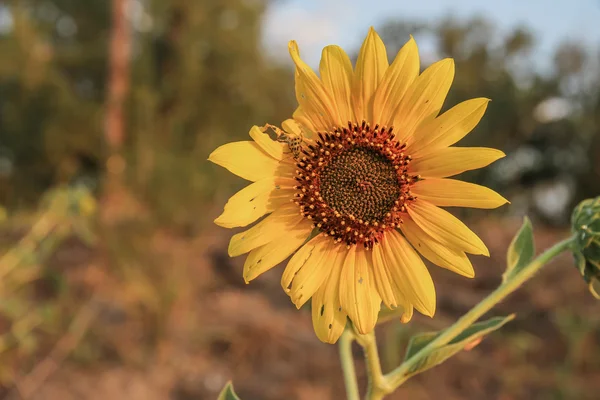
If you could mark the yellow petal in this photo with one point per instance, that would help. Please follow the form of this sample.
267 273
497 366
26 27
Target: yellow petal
328 317
396 81
386 283
300 258
266 257
453 161
268 145
358 295
294 127
409 272
311 94
256 200
336 74
311 270
375 297
446 228
454 193
434 251
424 98
246 160
302 122
304 117
407 316
269 229
371 65
448 128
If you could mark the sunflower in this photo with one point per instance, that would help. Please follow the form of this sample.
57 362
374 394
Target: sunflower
353 184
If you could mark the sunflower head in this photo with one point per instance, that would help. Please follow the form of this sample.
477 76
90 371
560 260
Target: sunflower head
585 223
353 183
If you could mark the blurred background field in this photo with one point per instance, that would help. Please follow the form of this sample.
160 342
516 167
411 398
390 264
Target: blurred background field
115 284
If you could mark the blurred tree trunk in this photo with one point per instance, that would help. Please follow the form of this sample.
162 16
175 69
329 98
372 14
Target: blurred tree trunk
120 51
114 118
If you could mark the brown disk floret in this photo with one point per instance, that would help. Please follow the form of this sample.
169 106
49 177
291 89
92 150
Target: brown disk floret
354 183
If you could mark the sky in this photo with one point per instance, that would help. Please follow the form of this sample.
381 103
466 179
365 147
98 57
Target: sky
317 23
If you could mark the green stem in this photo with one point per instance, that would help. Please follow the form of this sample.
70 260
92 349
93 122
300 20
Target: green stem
378 387
347 360
396 377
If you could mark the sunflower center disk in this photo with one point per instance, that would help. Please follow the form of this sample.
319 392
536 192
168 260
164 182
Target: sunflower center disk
354 184
362 183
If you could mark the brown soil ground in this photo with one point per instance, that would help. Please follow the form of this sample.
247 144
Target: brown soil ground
207 327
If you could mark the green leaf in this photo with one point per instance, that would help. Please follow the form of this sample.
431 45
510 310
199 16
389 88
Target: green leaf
441 354
520 252
579 261
227 393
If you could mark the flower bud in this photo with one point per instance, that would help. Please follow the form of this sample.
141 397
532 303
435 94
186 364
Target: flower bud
585 223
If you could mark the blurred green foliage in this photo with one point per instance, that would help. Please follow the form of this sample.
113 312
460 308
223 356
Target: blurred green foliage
34 300
585 223
200 78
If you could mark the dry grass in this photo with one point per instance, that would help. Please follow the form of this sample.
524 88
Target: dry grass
175 320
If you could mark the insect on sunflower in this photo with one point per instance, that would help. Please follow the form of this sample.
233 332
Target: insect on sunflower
353 185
